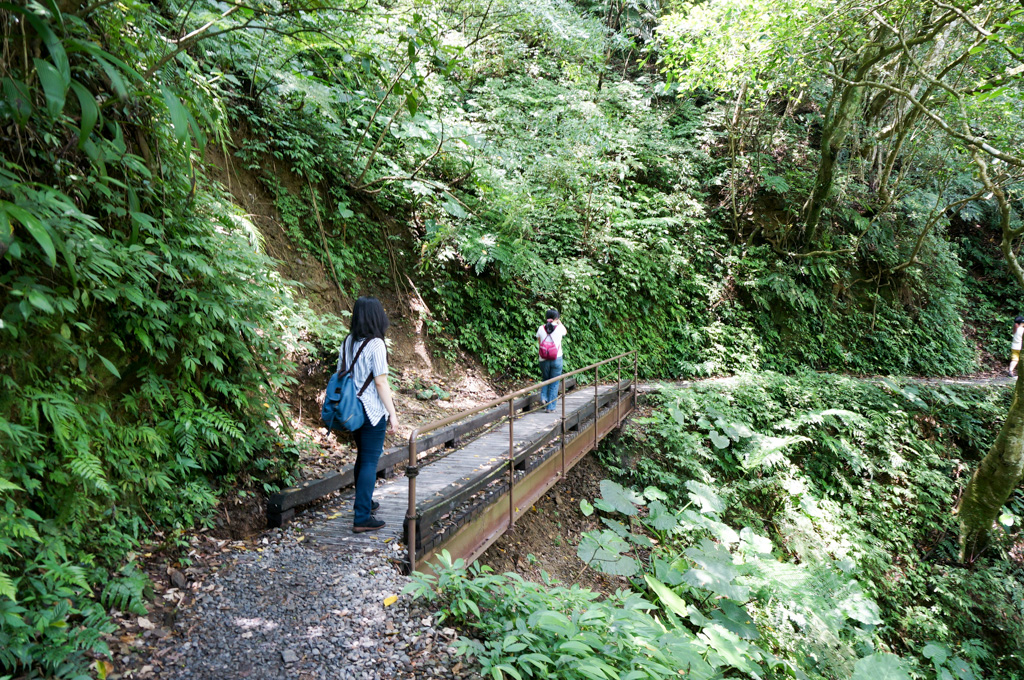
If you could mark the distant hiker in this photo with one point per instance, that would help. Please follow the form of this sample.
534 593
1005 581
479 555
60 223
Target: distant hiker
369 324
549 337
1018 335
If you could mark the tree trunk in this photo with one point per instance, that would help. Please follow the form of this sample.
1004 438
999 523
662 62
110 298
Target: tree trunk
993 482
833 135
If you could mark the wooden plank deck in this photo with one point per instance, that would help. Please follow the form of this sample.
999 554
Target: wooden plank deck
484 455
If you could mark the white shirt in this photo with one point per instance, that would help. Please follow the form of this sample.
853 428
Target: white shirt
373 361
1017 336
557 336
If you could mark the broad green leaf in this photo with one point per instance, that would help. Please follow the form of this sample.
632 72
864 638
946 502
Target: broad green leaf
732 650
961 668
720 441
109 366
660 518
554 622
54 87
35 227
586 508
18 100
668 597
512 672
735 619
936 652
715 571
576 647
653 493
670 573
179 117
620 498
604 550
53 43
90 112
705 497
859 607
39 300
880 666
751 542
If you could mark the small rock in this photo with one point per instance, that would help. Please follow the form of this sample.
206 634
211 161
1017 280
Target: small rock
288 656
177 578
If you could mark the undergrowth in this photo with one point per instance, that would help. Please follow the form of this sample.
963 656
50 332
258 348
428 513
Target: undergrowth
786 527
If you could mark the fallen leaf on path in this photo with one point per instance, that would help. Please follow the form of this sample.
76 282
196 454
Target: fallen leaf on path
390 600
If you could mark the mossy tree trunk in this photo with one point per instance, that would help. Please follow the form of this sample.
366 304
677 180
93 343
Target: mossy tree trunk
993 482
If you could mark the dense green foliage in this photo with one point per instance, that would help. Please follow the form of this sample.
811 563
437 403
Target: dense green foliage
531 153
778 536
142 336
494 157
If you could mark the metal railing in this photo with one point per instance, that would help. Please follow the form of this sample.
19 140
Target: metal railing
412 470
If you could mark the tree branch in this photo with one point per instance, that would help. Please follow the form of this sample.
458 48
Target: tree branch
968 139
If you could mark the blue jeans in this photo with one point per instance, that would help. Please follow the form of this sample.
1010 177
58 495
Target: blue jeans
369 446
550 368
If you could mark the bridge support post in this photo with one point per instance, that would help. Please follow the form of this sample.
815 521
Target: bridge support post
618 393
410 514
511 465
562 445
597 414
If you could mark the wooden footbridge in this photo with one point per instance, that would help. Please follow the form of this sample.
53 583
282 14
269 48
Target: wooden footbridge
470 476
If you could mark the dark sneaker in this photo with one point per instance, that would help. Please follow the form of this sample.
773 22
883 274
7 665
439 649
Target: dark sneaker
375 505
372 525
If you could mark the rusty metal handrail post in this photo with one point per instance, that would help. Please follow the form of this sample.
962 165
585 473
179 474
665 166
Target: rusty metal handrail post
563 429
618 393
636 387
410 514
511 464
597 381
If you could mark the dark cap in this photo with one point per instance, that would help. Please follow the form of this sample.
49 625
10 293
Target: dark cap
1019 319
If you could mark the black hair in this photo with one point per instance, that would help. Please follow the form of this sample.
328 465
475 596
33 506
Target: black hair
549 317
369 320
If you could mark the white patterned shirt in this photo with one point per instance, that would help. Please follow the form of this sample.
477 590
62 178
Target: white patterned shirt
373 361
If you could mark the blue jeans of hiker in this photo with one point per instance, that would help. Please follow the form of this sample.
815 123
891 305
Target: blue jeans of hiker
550 368
369 445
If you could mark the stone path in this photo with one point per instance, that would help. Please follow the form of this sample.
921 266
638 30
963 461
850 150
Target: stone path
285 610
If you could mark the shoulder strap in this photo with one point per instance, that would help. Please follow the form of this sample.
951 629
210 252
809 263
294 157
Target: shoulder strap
341 358
369 379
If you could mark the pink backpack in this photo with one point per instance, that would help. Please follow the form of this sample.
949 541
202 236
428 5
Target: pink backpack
548 349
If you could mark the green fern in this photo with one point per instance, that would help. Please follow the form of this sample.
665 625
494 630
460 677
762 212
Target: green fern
128 592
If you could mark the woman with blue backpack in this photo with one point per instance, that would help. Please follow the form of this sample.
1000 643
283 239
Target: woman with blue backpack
549 337
365 354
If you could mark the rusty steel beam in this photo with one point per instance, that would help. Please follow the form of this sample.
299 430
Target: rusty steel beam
470 540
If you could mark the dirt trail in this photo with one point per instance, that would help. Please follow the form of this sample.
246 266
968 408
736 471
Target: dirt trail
983 380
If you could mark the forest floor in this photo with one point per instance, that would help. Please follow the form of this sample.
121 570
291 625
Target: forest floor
243 602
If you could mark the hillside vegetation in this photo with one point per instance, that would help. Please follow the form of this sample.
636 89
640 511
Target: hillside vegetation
724 187
765 533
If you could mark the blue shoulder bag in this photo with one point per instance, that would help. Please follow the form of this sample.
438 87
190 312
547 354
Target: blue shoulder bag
341 409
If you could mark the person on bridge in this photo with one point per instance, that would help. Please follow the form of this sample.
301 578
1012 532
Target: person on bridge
549 338
369 322
1018 336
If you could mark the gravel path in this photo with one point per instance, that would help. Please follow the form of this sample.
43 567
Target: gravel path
285 610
